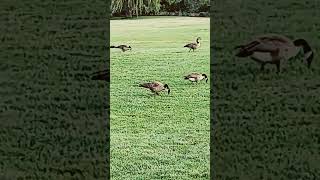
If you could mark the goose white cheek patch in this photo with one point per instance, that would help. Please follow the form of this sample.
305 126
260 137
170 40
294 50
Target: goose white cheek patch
306 56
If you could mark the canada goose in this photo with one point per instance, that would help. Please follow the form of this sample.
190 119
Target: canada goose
195 77
193 46
101 75
156 87
122 47
271 48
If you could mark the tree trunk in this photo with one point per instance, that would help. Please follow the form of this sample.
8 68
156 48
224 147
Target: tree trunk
137 13
128 11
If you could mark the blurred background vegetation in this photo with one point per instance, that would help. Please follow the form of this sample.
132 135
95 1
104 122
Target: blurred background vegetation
135 8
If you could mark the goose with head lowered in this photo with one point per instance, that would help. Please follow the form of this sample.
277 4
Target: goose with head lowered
195 77
124 48
155 87
274 49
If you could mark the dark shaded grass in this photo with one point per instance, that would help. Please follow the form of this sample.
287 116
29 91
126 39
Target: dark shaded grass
52 115
264 125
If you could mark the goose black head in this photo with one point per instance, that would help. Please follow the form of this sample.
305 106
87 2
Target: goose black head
306 50
206 77
303 43
167 87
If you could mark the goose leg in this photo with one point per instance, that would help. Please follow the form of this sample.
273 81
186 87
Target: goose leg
262 66
278 66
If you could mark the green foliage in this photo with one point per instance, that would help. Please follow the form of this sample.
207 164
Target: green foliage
145 7
185 5
136 7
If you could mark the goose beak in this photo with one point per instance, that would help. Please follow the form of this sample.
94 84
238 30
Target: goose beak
237 47
168 91
207 80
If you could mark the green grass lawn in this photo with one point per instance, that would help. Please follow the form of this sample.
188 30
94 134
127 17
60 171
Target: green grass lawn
53 118
163 137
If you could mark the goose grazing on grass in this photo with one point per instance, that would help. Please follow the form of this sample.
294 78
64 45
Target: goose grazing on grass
155 87
124 48
272 49
195 77
193 46
101 75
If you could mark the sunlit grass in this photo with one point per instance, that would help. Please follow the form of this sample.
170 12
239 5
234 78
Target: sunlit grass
166 136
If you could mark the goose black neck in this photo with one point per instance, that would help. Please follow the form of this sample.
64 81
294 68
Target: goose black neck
204 75
304 44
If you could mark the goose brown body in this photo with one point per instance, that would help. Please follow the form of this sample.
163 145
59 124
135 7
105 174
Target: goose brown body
122 47
273 49
193 46
195 77
155 87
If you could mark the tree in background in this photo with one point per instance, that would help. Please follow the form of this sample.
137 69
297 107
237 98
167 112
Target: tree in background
147 7
137 7
189 6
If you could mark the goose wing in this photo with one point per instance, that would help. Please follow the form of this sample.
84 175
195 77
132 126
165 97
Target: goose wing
268 42
275 38
150 85
262 46
122 46
190 45
192 75
278 41
284 44
258 45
